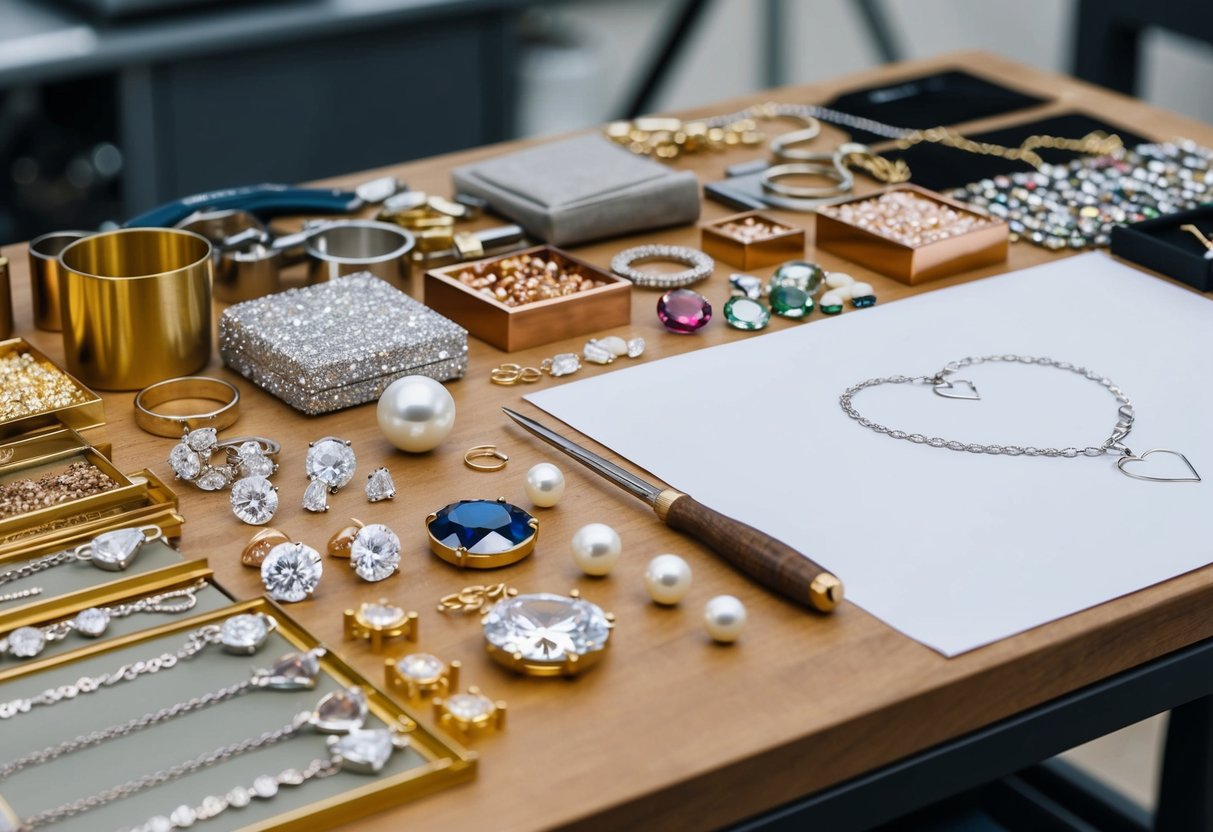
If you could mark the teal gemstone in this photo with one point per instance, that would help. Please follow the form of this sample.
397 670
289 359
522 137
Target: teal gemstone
802 274
746 313
790 302
832 309
864 301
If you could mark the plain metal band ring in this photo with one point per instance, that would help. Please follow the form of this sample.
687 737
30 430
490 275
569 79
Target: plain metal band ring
775 172
186 387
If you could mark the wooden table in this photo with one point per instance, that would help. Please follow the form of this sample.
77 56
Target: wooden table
670 731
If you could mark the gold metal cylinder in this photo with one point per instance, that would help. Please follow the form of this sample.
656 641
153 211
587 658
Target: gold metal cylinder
44 277
136 306
6 301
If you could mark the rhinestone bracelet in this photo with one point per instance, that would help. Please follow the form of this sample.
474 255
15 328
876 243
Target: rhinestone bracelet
701 265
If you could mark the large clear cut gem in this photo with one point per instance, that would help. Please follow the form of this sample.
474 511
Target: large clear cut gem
117 549
26 642
381 615
294 671
483 527
91 622
363 750
375 554
565 363
316 496
379 485
547 628
469 707
421 667
254 500
331 461
340 711
291 572
684 311
244 633
184 461
202 440
799 273
213 479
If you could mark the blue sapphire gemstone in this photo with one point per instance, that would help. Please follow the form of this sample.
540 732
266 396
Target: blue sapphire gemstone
864 301
483 527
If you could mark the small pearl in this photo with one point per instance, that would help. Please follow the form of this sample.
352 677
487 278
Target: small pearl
724 617
544 484
859 290
668 579
836 280
596 548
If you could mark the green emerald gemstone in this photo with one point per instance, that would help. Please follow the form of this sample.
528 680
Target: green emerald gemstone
832 309
802 274
790 302
746 313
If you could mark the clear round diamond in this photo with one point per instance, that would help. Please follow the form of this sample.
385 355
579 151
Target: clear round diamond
380 486
184 461
316 496
375 554
421 667
254 500
243 632
202 440
547 628
291 572
469 706
115 550
26 642
91 622
212 479
381 615
331 461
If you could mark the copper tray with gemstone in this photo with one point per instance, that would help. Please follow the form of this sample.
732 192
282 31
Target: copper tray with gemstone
532 324
787 244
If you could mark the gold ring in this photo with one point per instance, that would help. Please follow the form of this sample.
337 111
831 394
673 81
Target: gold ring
485 452
186 387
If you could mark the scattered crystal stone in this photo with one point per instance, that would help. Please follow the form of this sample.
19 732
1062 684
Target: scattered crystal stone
614 345
244 632
375 554
469 706
483 527
238 797
790 301
254 500
26 642
183 816
331 461
684 311
365 749
115 550
91 622
202 440
546 628
340 711
265 787
635 347
566 363
741 312
316 496
294 671
421 667
184 461
212 479
595 353
381 615
291 572
746 285
799 273
380 486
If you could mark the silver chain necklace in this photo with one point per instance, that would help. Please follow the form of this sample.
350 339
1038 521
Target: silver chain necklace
957 388
112 551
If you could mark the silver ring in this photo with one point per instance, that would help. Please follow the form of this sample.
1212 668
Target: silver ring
701 266
839 175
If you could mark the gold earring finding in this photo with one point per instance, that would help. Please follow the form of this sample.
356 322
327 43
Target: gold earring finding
340 543
259 546
485 452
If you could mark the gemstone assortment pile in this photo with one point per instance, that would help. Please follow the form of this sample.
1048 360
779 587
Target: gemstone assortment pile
526 278
907 217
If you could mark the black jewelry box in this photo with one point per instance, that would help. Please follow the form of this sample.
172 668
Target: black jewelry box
1160 244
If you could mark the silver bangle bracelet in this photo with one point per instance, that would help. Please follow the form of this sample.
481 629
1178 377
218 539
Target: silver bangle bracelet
839 174
701 265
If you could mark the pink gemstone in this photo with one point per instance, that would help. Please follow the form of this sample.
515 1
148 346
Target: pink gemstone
684 311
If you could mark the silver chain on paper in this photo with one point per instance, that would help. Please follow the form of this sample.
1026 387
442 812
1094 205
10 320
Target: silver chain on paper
1113 444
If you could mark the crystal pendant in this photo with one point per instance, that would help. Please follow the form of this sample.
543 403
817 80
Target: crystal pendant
365 751
564 364
185 462
545 633
291 572
340 711
635 347
116 550
293 671
790 302
375 554
202 440
25 642
380 486
741 312
254 500
316 496
92 622
746 285
831 303
245 633
595 353
482 527
799 273
332 461
684 311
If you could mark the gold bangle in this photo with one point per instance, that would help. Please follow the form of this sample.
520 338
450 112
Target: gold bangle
186 387
485 452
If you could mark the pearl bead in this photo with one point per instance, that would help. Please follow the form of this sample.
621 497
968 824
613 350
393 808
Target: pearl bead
416 413
859 290
544 484
837 280
668 579
833 298
596 548
724 617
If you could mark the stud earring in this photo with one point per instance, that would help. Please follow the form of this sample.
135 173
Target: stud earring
378 622
254 500
380 486
470 712
329 465
418 674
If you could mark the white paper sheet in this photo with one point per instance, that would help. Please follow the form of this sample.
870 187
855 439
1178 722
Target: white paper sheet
955 550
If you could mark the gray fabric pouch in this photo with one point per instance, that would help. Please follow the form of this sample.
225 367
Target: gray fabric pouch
581 189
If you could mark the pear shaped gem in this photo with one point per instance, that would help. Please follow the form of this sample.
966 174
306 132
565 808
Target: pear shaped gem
316 496
364 751
340 712
380 486
116 550
294 671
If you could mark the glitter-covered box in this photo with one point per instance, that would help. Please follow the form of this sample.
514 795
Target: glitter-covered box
338 344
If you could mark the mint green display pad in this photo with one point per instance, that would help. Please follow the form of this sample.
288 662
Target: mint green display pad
173 742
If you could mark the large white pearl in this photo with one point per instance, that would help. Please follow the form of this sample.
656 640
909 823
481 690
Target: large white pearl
668 579
596 548
416 413
724 617
544 484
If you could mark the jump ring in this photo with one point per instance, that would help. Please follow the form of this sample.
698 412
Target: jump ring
485 452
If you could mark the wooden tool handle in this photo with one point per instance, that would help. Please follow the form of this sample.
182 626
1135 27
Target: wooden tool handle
772 563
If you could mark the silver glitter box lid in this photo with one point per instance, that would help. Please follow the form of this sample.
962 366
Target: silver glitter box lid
338 344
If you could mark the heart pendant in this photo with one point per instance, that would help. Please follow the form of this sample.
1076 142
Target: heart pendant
1125 461
958 389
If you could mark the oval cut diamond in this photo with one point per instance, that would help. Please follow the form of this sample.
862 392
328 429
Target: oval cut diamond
202 440
91 622
26 642
547 628
483 527
375 554
244 633
380 615
331 461
470 707
184 461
